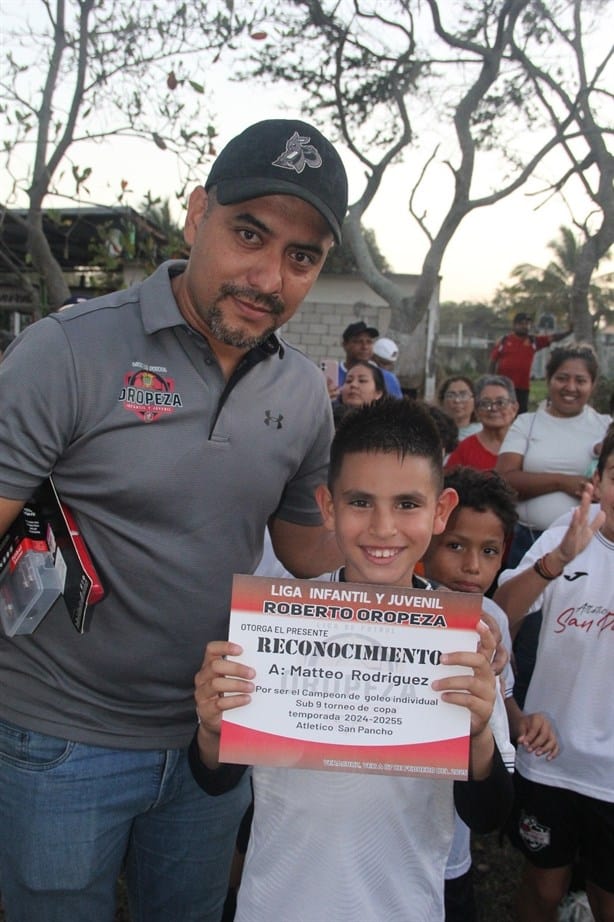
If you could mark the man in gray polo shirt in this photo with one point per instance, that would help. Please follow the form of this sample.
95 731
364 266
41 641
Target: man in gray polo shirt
176 425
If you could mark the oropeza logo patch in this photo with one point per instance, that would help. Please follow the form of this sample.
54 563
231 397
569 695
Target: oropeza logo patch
298 154
149 394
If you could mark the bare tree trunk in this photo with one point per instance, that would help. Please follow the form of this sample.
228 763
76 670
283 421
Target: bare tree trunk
582 320
44 262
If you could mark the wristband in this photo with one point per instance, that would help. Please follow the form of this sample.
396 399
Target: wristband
542 570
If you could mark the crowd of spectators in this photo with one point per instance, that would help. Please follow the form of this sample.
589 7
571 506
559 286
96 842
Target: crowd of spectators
553 459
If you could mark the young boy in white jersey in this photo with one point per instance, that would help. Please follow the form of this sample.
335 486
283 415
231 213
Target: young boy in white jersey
346 846
564 808
466 557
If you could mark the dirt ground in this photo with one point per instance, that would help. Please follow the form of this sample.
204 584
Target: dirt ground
497 873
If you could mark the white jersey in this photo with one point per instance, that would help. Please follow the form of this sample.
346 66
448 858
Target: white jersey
344 847
369 847
573 679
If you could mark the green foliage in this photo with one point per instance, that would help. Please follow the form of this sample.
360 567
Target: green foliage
86 70
548 290
158 212
82 70
478 319
148 238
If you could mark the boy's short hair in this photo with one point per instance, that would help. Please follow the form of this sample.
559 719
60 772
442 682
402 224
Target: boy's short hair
484 491
447 428
389 426
607 449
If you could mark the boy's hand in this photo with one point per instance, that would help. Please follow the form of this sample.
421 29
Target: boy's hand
501 657
219 685
537 735
475 691
580 532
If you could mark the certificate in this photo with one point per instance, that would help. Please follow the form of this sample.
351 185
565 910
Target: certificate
343 677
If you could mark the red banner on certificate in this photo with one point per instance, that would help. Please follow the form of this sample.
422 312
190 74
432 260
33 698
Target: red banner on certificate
343 677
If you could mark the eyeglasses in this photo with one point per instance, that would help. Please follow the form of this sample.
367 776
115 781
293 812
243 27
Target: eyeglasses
499 404
463 396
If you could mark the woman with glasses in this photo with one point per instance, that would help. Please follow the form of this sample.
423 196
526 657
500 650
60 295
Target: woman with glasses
457 399
495 407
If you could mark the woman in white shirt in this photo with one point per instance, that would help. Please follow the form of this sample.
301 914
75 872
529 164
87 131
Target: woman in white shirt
548 457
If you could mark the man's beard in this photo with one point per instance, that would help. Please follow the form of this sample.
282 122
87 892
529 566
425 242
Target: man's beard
213 316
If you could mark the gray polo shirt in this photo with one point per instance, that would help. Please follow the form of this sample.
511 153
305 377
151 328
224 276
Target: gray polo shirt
172 475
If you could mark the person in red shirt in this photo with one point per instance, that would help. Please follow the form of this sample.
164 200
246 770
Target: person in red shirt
512 355
496 408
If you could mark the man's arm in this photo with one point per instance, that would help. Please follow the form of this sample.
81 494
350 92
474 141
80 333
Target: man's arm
9 510
304 550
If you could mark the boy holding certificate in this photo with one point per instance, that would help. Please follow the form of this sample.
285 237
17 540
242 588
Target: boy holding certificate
340 845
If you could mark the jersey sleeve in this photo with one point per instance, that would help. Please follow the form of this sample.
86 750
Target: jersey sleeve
298 504
485 805
213 781
40 398
502 620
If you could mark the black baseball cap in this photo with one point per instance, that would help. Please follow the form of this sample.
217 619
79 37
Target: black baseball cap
283 157
355 329
522 316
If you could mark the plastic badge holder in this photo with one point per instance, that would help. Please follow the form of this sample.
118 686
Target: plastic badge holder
28 589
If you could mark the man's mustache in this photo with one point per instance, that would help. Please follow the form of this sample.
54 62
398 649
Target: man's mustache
275 305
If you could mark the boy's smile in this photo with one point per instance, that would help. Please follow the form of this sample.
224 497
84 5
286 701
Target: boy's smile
384 510
467 556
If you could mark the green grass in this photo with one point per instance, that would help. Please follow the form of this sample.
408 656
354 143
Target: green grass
537 393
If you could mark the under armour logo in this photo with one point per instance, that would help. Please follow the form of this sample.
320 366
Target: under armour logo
270 419
298 154
577 574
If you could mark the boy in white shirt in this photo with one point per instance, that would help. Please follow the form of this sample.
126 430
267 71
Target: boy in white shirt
565 808
345 846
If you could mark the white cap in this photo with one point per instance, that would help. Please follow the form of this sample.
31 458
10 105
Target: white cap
386 349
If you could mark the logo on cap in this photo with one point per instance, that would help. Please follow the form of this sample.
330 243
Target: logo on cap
298 154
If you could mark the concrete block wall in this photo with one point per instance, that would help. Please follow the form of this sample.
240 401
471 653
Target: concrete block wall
334 302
